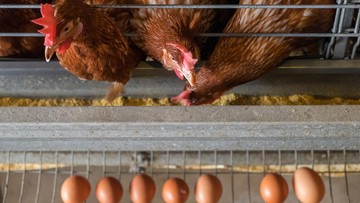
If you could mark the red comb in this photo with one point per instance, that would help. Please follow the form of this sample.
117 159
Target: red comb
47 20
188 60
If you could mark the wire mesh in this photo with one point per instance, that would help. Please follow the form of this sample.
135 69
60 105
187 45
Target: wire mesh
344 36
37 176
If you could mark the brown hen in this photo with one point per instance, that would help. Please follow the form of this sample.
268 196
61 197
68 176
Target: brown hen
18 21
170 35
237 60
120 15
88 43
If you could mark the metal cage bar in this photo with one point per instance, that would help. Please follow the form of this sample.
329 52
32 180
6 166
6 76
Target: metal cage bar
334 166
337 47
193 6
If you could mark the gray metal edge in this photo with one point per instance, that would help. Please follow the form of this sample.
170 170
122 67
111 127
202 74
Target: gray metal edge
180 128
36 79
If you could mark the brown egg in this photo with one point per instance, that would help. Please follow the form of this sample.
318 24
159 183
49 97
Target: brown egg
142 189
273 188
175 190
308 186
208 189
75 189
109 190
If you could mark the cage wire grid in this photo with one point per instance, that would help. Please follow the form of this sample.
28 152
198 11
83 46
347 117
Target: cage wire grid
341 32
37 176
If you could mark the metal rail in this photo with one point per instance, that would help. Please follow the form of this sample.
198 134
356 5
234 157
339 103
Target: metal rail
180 128
217 6
38 79
317 35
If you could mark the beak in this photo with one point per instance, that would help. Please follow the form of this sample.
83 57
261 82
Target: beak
49 52
189 75
180 70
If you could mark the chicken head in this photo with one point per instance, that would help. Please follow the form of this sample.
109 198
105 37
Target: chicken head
176 57
59 36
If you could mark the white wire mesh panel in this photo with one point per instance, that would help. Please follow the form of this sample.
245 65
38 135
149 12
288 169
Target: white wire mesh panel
37 176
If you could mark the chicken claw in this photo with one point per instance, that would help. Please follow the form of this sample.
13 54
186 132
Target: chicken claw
182 98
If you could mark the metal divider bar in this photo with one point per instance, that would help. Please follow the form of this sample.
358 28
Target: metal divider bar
193 6
39 178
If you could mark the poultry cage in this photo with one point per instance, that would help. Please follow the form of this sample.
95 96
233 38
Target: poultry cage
41 146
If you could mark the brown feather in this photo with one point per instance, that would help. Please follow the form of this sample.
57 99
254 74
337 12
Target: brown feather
101 51
121 16
157 27
239 60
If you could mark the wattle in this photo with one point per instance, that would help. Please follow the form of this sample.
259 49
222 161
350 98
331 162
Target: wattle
64 46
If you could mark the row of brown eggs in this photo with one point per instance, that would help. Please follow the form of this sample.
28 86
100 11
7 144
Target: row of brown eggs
308 187
76 189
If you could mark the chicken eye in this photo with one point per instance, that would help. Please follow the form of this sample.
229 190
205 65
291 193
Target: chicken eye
66 29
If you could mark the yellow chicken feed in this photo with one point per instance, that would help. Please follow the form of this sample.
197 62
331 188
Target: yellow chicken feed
231 99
